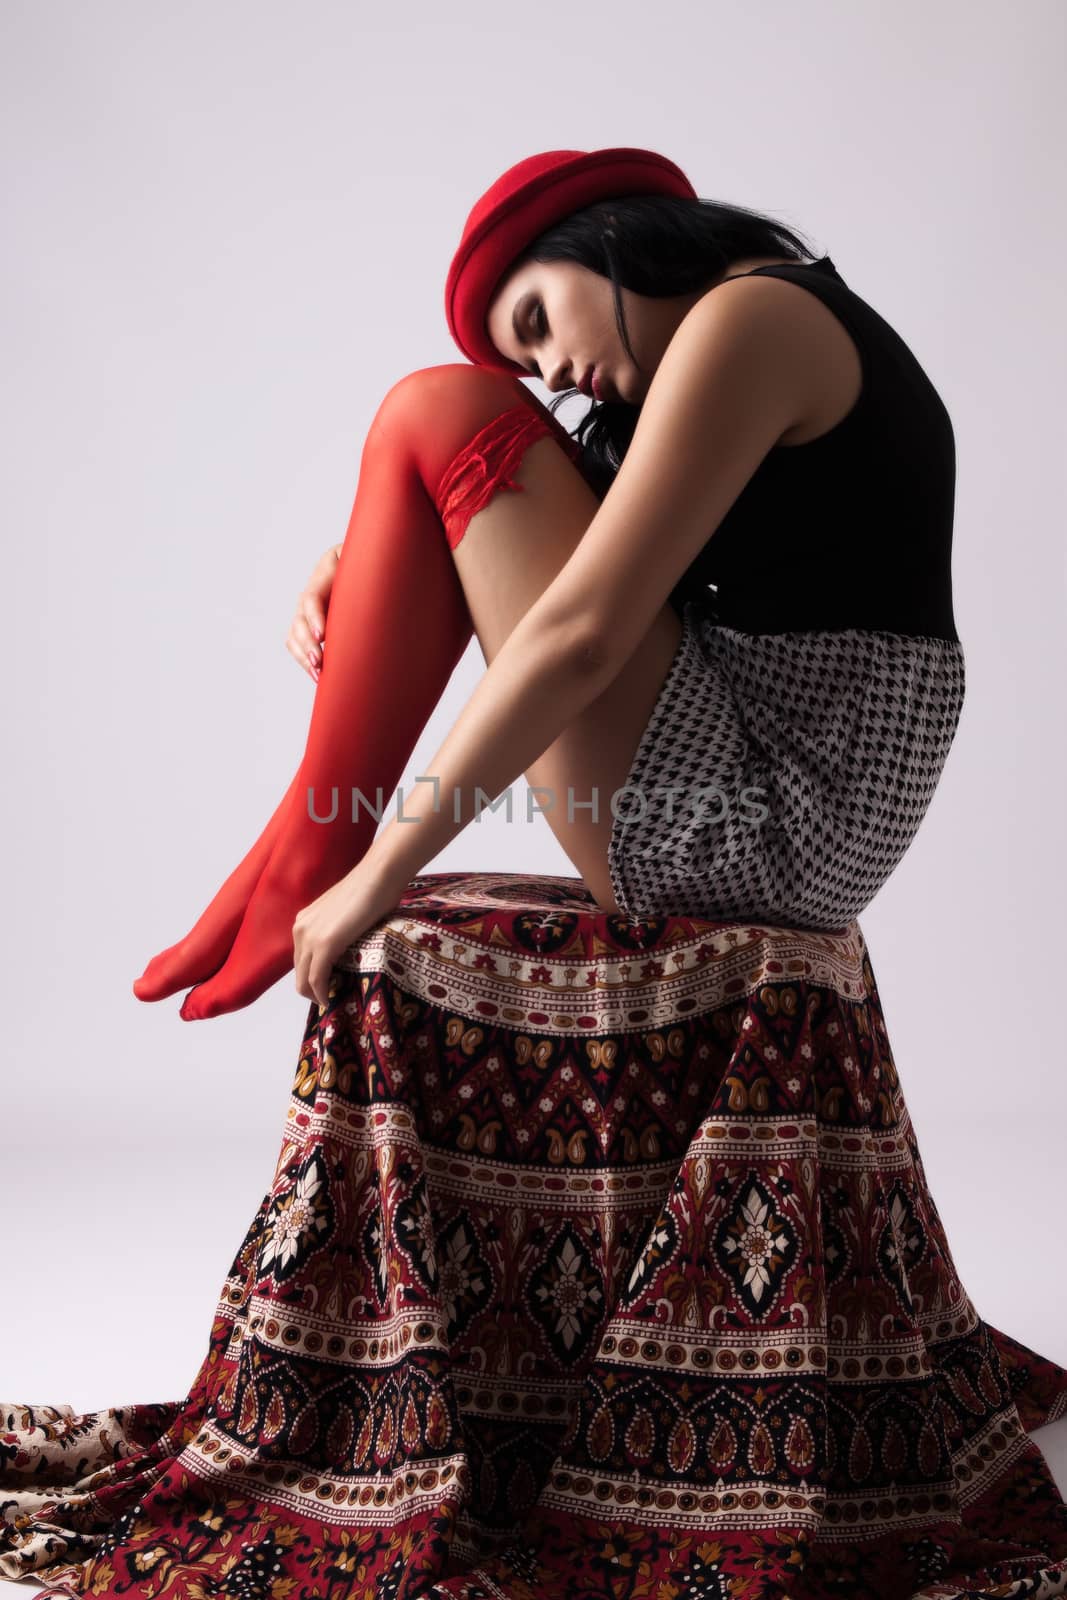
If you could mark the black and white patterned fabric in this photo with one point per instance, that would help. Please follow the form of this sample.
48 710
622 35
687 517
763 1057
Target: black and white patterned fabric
801 763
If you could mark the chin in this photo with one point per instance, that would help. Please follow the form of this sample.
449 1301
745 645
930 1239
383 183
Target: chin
620 383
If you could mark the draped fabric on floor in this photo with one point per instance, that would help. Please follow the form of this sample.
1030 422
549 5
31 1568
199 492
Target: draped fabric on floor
599 1262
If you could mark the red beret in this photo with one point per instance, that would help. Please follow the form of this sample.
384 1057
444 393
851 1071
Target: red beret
525 200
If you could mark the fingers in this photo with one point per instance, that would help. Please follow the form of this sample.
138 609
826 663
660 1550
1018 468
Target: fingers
307 630
303 642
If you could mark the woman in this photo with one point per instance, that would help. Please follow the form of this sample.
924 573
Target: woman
757 429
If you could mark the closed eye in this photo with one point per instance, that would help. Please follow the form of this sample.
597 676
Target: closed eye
539 324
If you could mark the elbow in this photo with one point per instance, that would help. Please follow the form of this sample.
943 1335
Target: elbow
574 633
592 651
588 647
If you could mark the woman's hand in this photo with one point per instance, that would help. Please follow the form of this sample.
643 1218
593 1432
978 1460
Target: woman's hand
335 920
308 626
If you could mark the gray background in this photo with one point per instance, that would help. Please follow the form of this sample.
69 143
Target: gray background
228 227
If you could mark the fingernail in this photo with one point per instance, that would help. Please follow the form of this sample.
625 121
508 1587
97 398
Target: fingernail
313 658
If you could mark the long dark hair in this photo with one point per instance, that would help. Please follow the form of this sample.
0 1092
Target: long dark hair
654 245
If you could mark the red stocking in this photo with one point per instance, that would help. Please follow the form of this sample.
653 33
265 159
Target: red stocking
397 623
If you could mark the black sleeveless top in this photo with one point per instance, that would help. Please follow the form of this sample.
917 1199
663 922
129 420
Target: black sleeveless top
854 528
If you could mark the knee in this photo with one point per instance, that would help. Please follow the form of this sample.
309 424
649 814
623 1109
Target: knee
453 388
432 415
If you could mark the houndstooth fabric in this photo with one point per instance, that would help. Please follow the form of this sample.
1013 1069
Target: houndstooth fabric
802 763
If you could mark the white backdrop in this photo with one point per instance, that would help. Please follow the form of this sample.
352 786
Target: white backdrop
228 227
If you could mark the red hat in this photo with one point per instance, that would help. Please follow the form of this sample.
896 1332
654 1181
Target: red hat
525 200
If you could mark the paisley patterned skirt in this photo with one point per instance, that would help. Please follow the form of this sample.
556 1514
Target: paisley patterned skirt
598 1262
782 776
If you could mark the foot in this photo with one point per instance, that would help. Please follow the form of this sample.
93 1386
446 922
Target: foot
206 946
309 859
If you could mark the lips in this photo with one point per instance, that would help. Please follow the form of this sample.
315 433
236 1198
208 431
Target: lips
590 384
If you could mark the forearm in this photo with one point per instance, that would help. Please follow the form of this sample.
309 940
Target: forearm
539 681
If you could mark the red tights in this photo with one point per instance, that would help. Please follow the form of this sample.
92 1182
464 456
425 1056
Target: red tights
444 440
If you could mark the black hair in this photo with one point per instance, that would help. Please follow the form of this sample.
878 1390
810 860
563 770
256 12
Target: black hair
654 245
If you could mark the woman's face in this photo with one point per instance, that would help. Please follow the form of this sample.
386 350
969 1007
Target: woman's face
557 319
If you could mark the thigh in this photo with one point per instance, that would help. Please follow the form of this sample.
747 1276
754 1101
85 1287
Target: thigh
510 553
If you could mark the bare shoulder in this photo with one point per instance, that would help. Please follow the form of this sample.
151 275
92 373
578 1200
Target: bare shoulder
813 351
743 345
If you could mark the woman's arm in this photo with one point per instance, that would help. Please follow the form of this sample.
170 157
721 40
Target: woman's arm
734 378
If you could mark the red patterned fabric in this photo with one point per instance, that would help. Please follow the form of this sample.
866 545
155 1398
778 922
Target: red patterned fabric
488 461
599 1260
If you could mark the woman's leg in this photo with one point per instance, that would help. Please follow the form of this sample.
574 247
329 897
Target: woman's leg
510 553
443 441
207 944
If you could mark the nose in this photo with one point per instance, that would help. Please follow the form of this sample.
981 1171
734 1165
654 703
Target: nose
554 375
